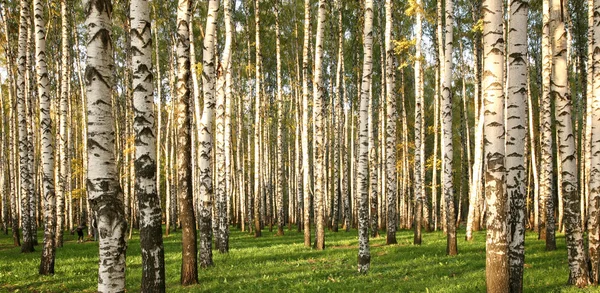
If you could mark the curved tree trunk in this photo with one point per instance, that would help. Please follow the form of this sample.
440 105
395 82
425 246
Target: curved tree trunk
497 273
103 179
151 242
516 135
189 265
364 255
49 250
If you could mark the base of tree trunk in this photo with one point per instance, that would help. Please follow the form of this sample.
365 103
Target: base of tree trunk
391 239
27 247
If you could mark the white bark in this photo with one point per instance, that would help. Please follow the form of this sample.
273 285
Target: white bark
419 166
206 133
566 145
446 142
103 183
497 273
25 169
516 135
305 132
48 254
150 213
390 142
364 254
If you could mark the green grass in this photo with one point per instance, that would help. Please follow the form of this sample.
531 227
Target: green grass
283 264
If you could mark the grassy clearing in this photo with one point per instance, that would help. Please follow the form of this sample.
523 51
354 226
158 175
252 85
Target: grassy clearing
282 264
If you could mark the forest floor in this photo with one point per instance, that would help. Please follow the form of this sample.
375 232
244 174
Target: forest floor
282 264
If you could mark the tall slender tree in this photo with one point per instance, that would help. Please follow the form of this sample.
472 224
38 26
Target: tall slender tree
419 166
61 186
516 135
594 184
223 97
446 117
205 134
364 254
390 143
103 180
257 124
280 104
305 154
319 132
151 242
189 265
497 273
579 275
546 220
49 250
25 168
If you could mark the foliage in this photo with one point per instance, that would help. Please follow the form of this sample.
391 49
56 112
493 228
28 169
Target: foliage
283 264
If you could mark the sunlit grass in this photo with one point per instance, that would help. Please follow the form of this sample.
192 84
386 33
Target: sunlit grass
283 264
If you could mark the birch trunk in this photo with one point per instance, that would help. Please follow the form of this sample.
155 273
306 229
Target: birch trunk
258 188
546 220
516 135
364 255
280 104
151 242
319 132
49 250
205 134
189 266
566 145
103 183
25 169
419 167
594 183
305 154
220 165
390 142
446 118
497 272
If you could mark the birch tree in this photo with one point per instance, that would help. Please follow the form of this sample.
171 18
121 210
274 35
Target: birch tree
189 266
257 124
566 144
62 126
419 166
49 250
280 163
103 180
151 242
390 143
364 255
305 154
319 133
25 169
516 135
546 220
497 273
222 189
446 117
594 187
